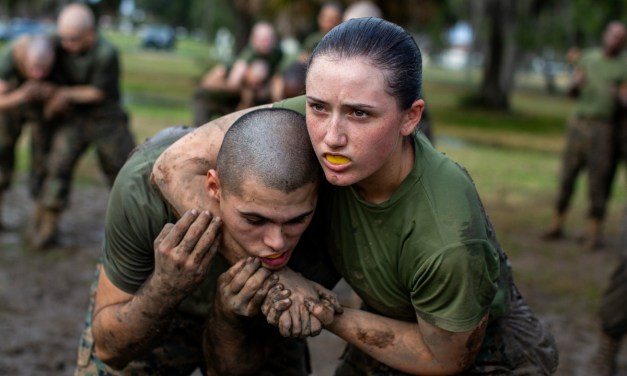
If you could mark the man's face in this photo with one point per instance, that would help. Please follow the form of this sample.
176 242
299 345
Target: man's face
38 68
265 222
73 40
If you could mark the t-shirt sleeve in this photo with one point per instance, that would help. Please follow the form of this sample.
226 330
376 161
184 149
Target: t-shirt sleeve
455 287
132 223
297 104
453 284
106 73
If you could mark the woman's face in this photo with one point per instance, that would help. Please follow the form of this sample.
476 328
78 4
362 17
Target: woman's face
355 125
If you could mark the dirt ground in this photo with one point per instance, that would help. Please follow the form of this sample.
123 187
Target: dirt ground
43 296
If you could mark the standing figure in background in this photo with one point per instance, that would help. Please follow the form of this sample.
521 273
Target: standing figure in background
598 80
221 88
25 69
330 16
86 111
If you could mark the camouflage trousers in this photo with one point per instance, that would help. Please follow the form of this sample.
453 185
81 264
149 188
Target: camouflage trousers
12 123
515 344
589 144
106 130
180 351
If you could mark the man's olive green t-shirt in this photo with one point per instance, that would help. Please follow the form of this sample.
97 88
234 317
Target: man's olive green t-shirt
425 251
99 67
602 73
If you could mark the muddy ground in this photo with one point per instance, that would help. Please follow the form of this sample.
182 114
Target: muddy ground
43 296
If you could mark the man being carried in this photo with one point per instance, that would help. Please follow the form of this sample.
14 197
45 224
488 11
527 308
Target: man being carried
157 286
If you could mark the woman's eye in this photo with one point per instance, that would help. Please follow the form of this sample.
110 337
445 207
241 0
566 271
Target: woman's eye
317 107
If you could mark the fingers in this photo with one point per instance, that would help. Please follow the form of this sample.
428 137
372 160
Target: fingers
275 303
322 310
178 231
260 296
210 239
329 296
191 228
226 277
251 276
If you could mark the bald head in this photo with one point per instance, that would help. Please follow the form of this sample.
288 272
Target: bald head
39 57
76 28
77 17
263 37
270 146
614 38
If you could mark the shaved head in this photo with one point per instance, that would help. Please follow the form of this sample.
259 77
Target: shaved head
77 17
270 146
76 28
39 57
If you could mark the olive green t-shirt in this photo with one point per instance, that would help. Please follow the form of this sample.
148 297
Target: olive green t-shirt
99 66
601 74
427 250
273 58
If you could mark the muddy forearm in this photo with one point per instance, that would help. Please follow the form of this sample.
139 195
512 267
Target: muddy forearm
401 345
126 330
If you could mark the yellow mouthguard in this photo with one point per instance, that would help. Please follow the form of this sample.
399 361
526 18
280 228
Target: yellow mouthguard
275 256
337 159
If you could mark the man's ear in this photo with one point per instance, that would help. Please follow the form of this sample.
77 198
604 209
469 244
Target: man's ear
412 117
213 184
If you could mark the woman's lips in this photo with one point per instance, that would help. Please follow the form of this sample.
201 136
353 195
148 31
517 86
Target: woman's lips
337 159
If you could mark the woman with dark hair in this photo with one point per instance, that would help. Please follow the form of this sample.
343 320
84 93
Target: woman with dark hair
403 224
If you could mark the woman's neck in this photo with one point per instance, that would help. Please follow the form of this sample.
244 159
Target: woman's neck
380 186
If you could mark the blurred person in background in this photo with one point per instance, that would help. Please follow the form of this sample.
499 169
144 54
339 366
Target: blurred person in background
25 84
85 111
221 88
599 83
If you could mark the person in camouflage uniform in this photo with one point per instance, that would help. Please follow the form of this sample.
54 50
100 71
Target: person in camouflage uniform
599 80
25 84
85 111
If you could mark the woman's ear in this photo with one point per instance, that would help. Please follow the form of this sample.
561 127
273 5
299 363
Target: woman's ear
213 184
412 117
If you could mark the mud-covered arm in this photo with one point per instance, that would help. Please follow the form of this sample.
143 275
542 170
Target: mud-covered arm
416 348
128 325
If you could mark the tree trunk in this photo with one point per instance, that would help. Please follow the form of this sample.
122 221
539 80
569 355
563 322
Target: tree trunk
500 55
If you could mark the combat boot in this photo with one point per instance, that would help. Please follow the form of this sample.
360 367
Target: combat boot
593 236
45 234
555 231
604 361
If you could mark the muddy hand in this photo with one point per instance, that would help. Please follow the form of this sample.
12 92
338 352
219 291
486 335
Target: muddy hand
297 320
243 288
183 251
